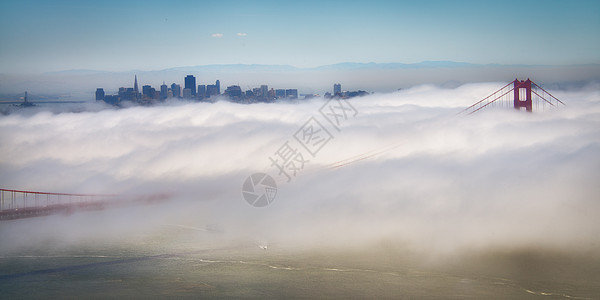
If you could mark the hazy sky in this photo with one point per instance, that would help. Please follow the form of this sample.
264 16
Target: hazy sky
40 36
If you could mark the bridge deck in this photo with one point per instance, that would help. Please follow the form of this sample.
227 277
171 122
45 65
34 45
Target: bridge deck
17 204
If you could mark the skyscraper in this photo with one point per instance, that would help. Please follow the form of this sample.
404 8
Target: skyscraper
135 88
127 94
234 91
280 93
190 83
264 91
201 91
291 93
164 89
148 92
218 84
211 90
99 94
337 88
176 89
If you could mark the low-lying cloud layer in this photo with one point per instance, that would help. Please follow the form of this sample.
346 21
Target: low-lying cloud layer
496 179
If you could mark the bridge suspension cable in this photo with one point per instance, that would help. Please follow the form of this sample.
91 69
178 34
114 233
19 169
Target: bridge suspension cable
520 94
17 204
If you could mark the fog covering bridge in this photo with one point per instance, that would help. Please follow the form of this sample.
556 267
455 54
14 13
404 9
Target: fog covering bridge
18 204
519 94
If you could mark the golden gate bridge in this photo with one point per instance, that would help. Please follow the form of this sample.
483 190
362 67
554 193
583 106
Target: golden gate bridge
519 94
18 204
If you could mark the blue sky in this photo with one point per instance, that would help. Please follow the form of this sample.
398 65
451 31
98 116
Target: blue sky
41 36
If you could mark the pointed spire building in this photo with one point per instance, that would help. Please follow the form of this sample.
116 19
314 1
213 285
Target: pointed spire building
136 89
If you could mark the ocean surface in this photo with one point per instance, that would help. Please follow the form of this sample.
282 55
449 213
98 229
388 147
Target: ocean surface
180 261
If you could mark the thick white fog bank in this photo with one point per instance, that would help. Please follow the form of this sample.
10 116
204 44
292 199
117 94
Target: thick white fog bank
496 179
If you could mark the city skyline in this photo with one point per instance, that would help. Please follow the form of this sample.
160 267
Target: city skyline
117 36
204 92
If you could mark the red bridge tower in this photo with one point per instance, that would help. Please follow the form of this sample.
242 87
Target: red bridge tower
518 93
522 92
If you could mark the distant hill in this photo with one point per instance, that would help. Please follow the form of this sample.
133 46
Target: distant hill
234 68
391 66
78 72
243 68
369 76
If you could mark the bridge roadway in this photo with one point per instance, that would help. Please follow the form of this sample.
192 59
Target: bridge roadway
66 209
16 204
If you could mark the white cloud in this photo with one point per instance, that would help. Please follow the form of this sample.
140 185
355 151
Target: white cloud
217 35
242 34
499 178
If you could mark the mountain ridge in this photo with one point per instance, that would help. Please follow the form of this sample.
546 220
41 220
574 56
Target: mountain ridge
343 66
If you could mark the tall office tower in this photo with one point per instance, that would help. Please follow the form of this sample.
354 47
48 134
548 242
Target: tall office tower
99 94
112 99
135 88
218 84
127 94
280 93
164 90
190 83
291 93
201 91
176 88
337 88
264 91
233 91
123 93
147 91
211 90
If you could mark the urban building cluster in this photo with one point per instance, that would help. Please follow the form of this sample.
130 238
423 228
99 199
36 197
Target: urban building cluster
201 92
